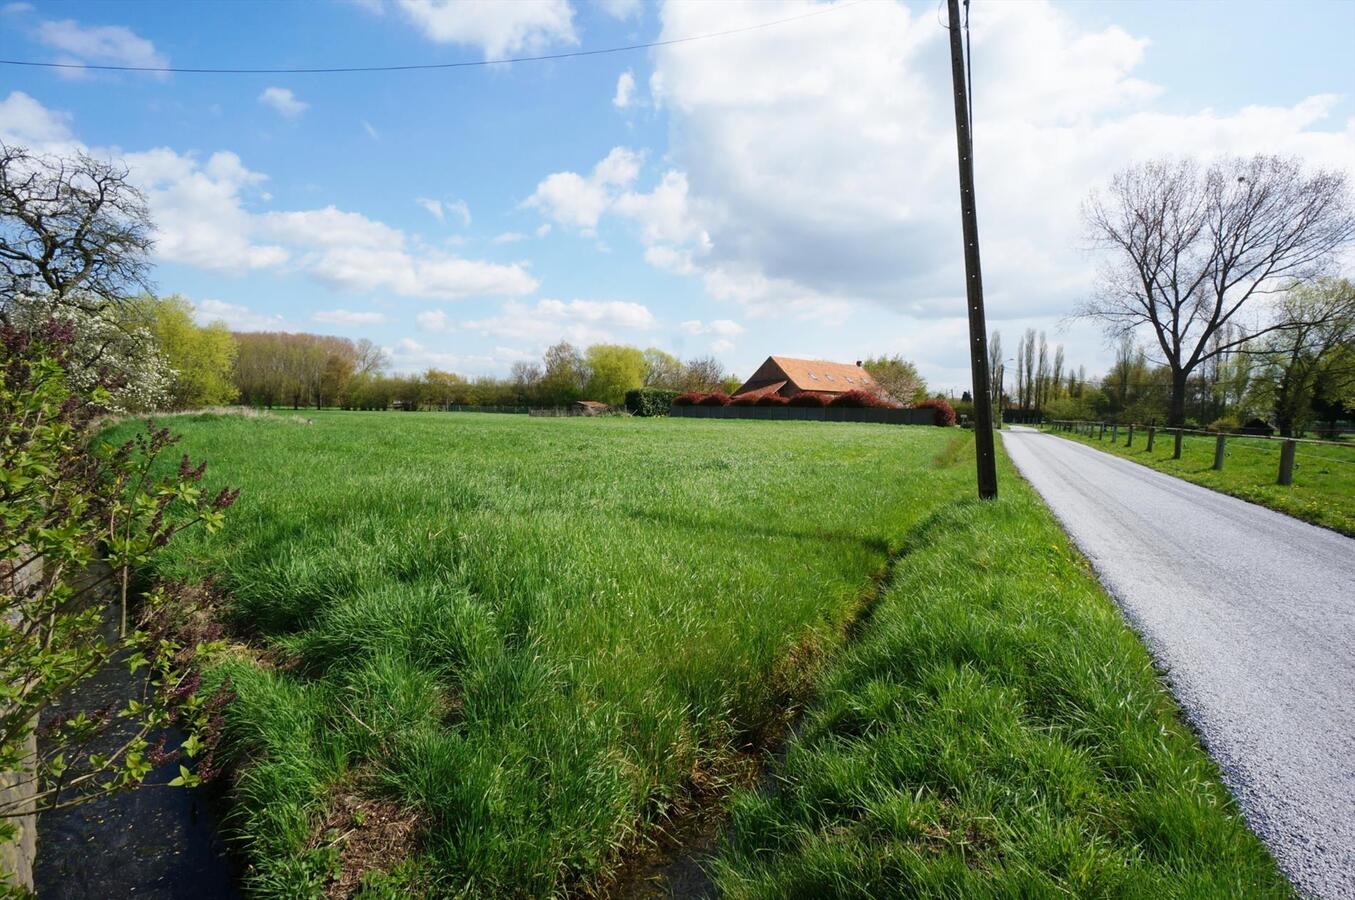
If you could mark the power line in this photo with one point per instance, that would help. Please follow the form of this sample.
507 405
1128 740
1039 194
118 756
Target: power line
469 64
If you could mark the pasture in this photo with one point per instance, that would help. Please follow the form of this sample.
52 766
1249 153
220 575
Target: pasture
492 656
1323 491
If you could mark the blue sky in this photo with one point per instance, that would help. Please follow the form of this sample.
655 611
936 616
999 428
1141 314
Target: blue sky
786 190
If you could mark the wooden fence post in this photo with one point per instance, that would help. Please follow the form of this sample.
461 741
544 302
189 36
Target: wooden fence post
1218 451
1287 462
1115 433
1176 451
1102 436
1130 441
1152 432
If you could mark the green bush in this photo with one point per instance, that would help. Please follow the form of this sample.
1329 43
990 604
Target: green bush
650 401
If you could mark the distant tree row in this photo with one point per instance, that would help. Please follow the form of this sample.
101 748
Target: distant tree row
1297 377
298 370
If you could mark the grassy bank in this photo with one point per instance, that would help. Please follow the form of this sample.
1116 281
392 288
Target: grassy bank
1323 491
997 731
490 650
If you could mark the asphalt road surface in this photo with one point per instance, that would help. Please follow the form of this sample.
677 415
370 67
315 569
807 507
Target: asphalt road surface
1252 615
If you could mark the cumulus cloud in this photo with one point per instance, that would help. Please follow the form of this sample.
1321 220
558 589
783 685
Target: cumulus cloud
433 320
625 90
509 237
580 321
236 317
203 217
723 327
100 44
619 9
499 29
348 317
812 173
282 101
579 201
25 121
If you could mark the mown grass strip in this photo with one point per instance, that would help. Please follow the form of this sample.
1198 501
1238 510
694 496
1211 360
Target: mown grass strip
997 731
1324 476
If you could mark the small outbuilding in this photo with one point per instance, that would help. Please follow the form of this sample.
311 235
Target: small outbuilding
590 408
788 376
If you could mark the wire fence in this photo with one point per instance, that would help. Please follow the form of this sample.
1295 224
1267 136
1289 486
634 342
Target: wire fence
1286 449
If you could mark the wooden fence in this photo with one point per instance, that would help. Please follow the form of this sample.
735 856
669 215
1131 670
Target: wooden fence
1148 434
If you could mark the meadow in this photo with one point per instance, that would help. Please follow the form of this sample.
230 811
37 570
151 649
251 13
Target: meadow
487 655
1323 491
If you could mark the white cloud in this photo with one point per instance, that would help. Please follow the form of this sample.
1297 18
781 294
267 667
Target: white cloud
439 209
236 317
371 131
27 122
408 355
813 171
509 237
625 90
543 229
577 201
202 217
499 29
348 317
433 320
283 101
11 9
580 321
619 9
721 346
101 44
723 327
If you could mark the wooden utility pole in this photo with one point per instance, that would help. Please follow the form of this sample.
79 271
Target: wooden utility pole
978 329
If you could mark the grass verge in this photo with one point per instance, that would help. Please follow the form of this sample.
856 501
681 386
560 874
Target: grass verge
997 731
534 637
1323 491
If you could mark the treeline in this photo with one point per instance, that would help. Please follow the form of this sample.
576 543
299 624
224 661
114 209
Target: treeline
1295 378
306 370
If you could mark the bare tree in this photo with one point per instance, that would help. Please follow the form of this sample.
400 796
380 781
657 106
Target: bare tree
73 230
1193 246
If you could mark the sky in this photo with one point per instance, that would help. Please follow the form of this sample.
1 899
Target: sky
789 189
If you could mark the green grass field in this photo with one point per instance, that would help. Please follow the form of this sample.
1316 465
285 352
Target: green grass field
489 655
1323 491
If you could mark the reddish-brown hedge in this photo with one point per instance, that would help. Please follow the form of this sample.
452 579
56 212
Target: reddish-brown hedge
943 413
718 398
805 398
745 400
772 400
857 399
691 398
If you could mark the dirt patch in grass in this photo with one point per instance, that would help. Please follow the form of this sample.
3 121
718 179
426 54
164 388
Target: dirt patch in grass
369 834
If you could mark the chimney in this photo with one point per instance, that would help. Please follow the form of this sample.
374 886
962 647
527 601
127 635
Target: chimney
858 363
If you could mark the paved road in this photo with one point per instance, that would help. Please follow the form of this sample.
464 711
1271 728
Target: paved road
1252 613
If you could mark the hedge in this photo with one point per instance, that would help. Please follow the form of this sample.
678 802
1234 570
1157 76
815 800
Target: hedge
944 413
650 401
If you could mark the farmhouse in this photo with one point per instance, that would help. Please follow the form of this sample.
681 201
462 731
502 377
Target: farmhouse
787 376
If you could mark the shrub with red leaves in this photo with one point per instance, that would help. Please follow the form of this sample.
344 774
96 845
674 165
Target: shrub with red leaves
745 400
772 400
808 398
856 399
943 413
691 398
718 398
